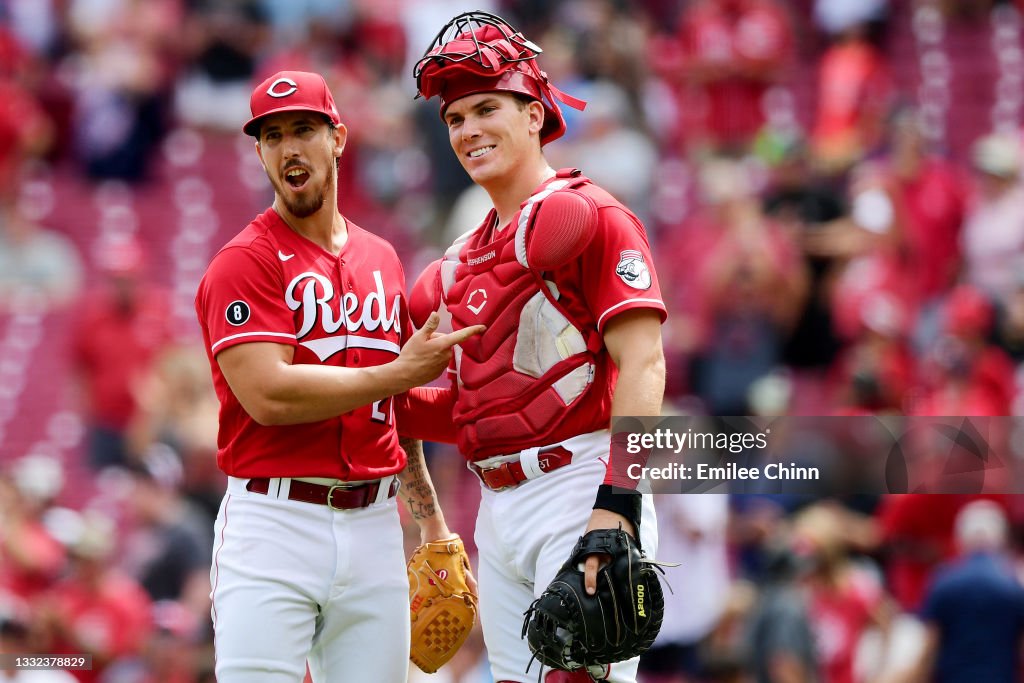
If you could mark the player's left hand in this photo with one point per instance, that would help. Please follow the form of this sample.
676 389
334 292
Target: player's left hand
429 535
602 519
570 630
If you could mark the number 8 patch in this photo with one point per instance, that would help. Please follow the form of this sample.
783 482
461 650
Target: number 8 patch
237 313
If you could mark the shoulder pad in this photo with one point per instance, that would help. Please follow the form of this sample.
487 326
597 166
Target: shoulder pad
563 225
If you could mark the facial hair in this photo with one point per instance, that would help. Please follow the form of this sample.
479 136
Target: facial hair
301 206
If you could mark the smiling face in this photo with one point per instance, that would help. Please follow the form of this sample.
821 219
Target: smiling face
494 135
299 151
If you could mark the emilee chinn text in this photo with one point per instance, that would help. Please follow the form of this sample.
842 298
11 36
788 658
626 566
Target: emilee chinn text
728 472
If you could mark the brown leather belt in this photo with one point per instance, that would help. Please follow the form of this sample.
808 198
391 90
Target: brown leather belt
337 497
509 474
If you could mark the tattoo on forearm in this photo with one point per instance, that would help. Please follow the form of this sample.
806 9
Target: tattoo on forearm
417 490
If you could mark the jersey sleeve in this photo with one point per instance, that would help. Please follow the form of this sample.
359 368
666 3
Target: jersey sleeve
241 299
618 270
426 413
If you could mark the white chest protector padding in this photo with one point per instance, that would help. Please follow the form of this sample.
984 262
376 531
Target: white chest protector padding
544 338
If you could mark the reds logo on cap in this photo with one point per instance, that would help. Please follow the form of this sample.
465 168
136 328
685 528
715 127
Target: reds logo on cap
274 90
290 91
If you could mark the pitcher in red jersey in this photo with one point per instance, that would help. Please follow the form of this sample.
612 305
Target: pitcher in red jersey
306 326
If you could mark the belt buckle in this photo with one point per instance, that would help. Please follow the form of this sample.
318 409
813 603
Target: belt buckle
343 487
479 472
503 488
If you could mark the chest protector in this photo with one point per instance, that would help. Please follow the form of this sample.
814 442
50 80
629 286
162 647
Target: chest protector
534 362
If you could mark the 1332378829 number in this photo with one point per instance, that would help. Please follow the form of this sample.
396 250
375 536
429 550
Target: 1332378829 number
33 661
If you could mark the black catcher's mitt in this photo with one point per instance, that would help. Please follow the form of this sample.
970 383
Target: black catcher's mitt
569 630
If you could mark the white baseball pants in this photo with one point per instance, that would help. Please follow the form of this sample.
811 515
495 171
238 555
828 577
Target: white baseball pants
524 535
295 581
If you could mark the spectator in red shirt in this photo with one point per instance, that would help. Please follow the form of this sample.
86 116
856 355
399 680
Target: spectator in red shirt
844 600
854 95
874 372
964 373
25 128
725 56
917 535
16 640
120 331
95 610
907 212
31 559
743 279
927 198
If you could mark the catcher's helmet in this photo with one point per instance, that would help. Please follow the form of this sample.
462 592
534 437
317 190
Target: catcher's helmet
479 52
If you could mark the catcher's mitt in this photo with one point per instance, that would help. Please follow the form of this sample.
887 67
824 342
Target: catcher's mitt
569 630
443 609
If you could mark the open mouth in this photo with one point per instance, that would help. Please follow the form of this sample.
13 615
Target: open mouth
296 177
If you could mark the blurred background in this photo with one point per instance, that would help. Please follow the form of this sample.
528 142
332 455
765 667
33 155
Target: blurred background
832 189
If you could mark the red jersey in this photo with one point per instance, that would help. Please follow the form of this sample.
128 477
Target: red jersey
840 614
112 618
855 90
929 207
269 284
115 345
749 42
614 274
935 202
918 529
22 121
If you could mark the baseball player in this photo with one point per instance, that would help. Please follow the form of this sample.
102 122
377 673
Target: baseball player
305 322
561 275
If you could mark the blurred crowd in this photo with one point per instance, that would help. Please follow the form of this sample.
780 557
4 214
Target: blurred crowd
833 190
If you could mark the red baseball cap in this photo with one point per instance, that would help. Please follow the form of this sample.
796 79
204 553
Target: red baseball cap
290 91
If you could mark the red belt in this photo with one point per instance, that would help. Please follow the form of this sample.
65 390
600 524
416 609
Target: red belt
511 473
336 497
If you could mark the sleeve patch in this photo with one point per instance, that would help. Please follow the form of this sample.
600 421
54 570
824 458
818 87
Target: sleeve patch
237 313
632 269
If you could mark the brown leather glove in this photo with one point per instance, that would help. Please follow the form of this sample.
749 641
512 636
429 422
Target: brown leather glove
441 603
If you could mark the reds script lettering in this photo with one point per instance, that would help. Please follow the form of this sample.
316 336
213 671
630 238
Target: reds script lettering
314 300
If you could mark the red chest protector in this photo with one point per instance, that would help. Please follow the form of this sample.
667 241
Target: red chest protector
518 380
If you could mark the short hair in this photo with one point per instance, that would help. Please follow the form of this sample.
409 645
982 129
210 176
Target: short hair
522 100
980 525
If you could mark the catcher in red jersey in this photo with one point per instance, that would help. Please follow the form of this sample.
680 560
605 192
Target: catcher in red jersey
561 275
306 325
